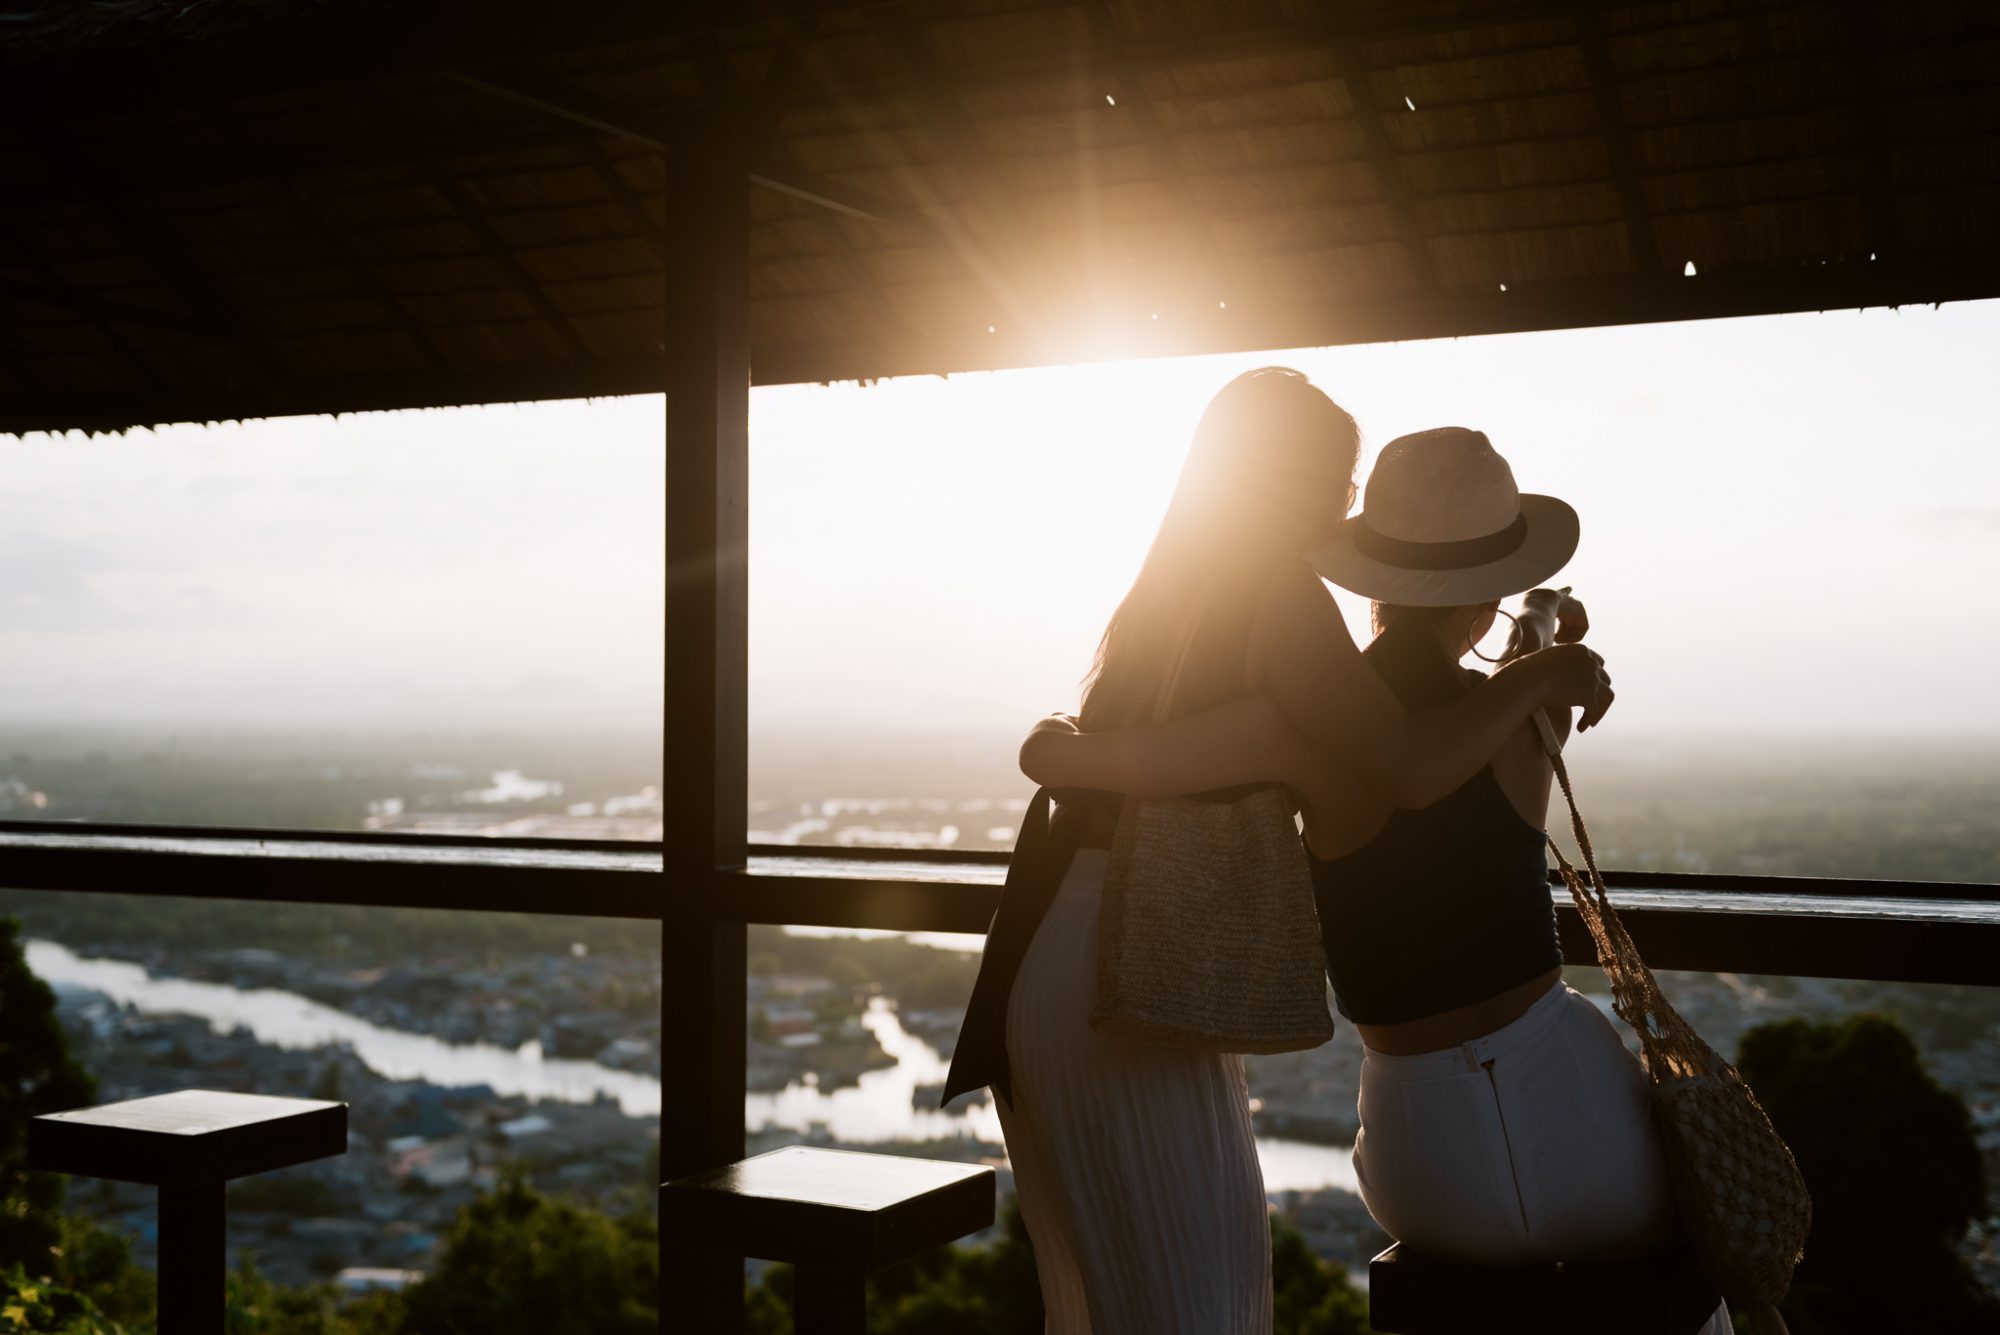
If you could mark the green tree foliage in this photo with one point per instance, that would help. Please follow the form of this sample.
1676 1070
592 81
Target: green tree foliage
43 1307
950 1291
258 1307
92 1259
1313 1296
69 1274
37 1076
1895 1175
520 1261
975 1290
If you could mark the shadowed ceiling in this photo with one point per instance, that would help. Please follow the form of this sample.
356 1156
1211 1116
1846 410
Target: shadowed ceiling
246 207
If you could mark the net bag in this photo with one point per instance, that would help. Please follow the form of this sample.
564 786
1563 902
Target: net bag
1739 1190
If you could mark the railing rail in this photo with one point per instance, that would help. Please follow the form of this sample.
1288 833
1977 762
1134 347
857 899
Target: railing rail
1910 931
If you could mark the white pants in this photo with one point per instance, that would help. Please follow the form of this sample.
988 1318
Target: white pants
1135 1166
1532 1143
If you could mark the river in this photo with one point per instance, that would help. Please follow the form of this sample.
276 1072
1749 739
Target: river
879 1108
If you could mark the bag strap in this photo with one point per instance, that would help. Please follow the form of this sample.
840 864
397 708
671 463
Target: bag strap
1616 954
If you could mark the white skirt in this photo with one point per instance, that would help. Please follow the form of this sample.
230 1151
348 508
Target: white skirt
1136 1166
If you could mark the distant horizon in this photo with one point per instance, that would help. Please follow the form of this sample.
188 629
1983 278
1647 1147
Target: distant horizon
1787 521
910 736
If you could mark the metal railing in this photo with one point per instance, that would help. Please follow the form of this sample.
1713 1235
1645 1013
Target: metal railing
1908 931
1904 931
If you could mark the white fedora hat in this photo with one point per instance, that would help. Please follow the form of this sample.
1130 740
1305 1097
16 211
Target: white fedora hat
1442 525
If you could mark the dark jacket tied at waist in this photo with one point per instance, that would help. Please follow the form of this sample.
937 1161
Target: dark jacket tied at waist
1042 854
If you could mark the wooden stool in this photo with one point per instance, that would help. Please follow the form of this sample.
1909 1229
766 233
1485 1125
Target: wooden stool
836 1215
1666 1293
188 1144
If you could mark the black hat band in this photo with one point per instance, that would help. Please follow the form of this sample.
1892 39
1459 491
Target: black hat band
1460 555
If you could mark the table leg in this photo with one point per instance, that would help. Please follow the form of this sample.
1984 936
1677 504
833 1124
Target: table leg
193 1258
829 1302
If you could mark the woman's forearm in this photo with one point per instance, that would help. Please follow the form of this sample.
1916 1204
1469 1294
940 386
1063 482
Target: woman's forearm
1408 760
1432 752
1303 655
1245 741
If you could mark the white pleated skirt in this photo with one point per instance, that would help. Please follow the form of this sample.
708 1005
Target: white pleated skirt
1136 1166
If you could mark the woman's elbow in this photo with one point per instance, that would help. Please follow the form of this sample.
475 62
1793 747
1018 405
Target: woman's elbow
1035 758
1049 757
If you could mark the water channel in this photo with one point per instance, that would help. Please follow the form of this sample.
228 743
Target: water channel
879 1108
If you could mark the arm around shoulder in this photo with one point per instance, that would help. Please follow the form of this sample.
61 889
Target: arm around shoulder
1245 741
1304 655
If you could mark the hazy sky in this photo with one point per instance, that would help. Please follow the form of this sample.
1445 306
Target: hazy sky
1789 524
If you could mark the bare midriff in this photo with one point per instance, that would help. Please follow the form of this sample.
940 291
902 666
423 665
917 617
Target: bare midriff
1462 1024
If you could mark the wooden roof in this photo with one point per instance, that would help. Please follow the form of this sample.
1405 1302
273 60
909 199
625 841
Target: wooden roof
233 208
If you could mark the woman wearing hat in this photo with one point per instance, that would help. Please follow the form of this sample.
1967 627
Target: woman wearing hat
1502 1119
1135 1165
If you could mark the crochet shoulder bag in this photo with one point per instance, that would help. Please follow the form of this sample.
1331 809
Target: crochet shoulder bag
1738 1188
1207 937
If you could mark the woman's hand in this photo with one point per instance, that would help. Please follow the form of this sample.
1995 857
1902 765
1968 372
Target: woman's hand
1572 621
1574 678
1548 616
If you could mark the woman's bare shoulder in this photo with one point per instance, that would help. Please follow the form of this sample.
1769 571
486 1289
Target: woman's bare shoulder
1296 620
1290 595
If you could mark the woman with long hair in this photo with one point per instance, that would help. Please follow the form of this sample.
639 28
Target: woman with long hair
1502 1119
1135 1166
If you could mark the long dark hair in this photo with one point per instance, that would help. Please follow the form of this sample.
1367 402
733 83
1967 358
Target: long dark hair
1233 483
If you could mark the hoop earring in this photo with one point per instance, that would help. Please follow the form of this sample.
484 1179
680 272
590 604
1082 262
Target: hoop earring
1474 649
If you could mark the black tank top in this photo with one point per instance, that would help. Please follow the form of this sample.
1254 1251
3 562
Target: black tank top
1448 905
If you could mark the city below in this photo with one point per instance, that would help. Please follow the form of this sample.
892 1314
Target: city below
471 1045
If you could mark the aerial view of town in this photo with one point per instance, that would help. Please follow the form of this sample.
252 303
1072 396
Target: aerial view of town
477 1049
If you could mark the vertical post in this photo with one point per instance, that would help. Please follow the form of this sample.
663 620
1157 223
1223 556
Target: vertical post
829 1302
193 1258
707 342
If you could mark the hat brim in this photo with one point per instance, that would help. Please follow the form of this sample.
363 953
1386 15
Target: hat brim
1553 530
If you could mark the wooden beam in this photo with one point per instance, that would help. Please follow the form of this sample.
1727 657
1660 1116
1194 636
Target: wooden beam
1250 41
86 180
467 211
1395 191
1871 126
1900 279
636 372
61 296
1957 275
78 174
627 200
1107 48
758 111
298 205
998 251
109 314
706 729
1610 104
211 171
764 163
786 73
326 46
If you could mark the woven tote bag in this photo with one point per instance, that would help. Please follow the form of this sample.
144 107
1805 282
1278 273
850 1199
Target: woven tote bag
1739 1191
1207 937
